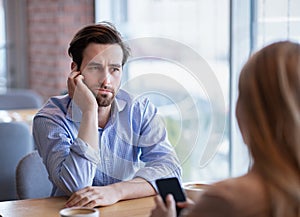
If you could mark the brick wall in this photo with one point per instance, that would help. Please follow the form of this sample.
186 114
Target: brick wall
51 26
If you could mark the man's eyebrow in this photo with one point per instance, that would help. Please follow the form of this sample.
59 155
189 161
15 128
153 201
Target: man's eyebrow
100 64
115 65
94 64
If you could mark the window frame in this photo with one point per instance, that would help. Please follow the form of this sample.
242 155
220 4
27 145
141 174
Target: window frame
17 75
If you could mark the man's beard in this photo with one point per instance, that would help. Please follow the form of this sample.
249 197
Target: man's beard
105 100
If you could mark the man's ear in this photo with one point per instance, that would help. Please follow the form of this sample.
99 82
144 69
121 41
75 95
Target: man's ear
74 66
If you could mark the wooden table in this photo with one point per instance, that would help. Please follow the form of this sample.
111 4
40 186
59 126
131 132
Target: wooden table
50 207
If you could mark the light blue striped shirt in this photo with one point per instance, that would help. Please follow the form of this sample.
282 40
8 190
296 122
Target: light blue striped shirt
133 144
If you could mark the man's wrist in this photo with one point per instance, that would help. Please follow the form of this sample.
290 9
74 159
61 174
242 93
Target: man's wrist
119 190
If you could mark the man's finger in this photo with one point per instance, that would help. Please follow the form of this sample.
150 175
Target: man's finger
78 79
73 74
72 83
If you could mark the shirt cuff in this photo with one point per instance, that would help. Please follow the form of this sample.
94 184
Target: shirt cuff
150 174
83 149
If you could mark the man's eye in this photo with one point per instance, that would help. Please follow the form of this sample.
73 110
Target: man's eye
116 69
93 68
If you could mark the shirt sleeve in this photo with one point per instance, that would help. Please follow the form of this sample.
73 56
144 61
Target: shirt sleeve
157 152
70 162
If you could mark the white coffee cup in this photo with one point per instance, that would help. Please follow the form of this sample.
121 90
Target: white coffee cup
193 190
79 212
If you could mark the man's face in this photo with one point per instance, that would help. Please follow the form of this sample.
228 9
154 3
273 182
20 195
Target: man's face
102 70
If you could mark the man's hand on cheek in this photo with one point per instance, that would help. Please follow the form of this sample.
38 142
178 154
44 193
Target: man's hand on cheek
83 96
71 82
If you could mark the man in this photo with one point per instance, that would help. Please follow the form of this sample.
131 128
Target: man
99 144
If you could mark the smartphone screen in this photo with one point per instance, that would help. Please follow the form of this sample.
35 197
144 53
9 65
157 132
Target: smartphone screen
171 186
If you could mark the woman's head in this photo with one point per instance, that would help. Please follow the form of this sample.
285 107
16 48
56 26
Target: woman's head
268 112
269 98
101 33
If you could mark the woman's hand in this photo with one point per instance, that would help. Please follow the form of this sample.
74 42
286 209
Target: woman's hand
162 209
187 204
169 209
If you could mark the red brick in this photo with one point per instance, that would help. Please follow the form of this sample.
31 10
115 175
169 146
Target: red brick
51 26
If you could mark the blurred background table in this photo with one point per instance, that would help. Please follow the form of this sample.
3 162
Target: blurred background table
25 115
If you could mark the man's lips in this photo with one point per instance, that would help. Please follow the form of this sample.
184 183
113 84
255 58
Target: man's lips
104 91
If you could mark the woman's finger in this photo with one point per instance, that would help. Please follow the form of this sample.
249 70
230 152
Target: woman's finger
159 202
170 201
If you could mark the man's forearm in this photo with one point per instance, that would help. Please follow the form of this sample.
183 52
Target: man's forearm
69 180
134 188
88 130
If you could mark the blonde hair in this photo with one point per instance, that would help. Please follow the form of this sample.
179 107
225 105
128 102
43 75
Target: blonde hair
269 97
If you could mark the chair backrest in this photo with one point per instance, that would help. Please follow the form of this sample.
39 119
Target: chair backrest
15 142
20 99
32 178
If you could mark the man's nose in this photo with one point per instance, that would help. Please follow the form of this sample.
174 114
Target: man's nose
106 81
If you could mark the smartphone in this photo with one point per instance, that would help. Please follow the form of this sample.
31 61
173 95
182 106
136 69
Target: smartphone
171 186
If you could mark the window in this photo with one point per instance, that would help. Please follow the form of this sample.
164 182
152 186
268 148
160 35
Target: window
13 45
254 24
276 20
2 48
184 70
223 33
